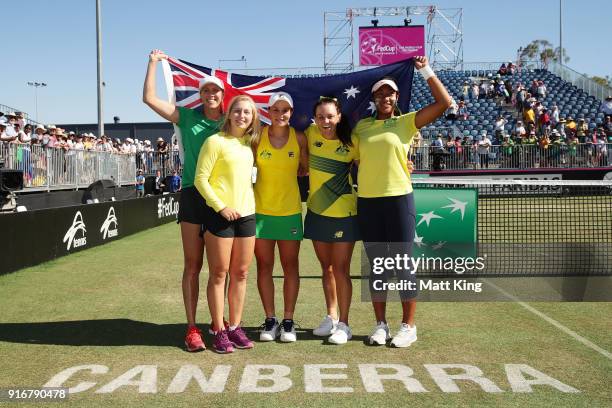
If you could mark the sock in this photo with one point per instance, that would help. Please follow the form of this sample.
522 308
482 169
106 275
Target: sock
232 328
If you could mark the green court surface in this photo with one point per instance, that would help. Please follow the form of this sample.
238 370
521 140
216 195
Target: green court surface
119 306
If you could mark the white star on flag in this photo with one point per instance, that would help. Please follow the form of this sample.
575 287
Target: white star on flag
427 217
457 206
419 240
352 91
372 107
439 245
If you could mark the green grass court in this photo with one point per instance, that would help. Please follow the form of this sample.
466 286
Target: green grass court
120 306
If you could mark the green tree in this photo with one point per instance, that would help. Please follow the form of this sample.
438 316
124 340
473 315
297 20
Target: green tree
542 50
607 81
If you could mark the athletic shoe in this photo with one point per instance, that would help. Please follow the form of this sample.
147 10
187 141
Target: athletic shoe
193 340
327 327
405 336
211 328
269 330
380 335
342 334
222 344
239 339
287 331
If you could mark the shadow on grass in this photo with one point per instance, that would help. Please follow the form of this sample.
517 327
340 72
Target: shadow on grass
113 332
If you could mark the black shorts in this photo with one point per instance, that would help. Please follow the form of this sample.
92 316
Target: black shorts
388 225
387 219
243 227
192 207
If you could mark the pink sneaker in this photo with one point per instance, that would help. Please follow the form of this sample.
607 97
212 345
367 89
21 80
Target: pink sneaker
222 344
239 338
193 340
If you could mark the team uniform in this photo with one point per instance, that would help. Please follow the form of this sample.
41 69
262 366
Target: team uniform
385 202
277 196
195 129
332 203
223 178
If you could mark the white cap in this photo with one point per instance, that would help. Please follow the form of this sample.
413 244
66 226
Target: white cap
40 127
281 96
51 127
210 80
129 140
382 82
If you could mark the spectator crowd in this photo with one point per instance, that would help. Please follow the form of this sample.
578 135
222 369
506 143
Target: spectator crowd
540 137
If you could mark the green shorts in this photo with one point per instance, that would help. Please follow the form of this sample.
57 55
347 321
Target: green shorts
283 228
331 229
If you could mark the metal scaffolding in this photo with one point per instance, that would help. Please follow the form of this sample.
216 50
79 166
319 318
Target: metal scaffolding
444 31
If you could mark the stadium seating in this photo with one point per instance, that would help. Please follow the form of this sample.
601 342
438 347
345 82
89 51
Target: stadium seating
483 113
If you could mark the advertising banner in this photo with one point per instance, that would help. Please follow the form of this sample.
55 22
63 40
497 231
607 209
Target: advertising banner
386 45
43 235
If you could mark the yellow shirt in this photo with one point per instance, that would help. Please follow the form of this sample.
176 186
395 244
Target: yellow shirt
223 174
276 190
383 154
331 192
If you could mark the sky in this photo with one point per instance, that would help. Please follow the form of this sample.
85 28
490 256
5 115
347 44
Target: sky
55 42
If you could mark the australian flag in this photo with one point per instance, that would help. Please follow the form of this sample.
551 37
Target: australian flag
352 89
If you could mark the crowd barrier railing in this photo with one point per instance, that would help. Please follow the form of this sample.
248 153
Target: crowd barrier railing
432 158
50 169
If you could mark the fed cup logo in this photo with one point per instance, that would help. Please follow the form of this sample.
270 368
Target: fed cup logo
166 209
77 226
111 219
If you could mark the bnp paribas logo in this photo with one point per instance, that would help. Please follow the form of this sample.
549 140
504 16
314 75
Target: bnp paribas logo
446 222
110 225
75 236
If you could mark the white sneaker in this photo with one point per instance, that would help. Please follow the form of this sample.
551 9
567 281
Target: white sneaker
405 336
380 335
287 331
326 328
342 334
269 330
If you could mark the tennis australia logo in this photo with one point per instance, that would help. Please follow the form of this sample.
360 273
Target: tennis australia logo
265 154
77 228
166 208
111 220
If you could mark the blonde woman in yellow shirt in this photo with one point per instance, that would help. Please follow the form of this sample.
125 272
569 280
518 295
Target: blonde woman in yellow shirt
223 178
278 155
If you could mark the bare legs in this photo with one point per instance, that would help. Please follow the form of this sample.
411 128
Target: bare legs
335 259
288 251
227 256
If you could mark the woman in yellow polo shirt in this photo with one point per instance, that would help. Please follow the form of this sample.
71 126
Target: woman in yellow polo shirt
385 205
278 206
223 178
331 219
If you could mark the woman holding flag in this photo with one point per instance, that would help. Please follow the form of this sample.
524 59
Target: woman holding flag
385 204
280 153
195 126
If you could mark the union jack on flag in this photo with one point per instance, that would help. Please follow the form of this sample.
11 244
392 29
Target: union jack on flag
352 89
